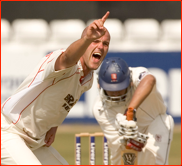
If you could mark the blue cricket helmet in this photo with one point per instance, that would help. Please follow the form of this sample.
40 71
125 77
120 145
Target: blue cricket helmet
114 74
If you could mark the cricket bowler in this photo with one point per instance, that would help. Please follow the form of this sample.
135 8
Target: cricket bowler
30 117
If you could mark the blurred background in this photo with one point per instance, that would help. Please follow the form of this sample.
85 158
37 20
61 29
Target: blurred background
143 33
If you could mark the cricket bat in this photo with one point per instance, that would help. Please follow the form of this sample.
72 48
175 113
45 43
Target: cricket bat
129 156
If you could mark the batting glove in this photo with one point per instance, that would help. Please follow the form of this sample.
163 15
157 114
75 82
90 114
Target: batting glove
138 143
120 121
127 129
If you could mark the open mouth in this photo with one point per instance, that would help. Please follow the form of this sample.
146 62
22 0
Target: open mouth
96 56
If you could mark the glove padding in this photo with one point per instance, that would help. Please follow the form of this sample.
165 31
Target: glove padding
129 135
127 129
132 144
137 143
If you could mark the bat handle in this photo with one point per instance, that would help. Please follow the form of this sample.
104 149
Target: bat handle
129 116
130 113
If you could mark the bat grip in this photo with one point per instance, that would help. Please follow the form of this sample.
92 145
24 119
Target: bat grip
129 116
130 113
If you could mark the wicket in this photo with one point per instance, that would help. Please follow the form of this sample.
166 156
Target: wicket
92 148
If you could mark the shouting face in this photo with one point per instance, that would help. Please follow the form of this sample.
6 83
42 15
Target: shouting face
95 53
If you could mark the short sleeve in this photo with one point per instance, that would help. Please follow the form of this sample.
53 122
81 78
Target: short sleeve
48 66
138 74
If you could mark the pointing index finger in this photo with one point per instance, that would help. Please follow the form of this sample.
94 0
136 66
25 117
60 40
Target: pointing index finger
104 18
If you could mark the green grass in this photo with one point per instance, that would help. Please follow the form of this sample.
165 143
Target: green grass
175 151
65 144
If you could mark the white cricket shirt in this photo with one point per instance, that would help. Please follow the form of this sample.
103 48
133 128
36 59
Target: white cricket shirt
146 113
44 99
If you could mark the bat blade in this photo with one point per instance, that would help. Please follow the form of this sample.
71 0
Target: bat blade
129 157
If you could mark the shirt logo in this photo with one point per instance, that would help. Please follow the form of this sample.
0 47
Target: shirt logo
158 138
143 74
69 102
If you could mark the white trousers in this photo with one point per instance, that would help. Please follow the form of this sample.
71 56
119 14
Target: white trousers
14 151
156 151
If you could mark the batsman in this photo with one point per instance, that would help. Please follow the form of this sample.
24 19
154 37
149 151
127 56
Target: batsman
132 114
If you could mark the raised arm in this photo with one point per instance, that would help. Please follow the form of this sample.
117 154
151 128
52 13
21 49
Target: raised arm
73 53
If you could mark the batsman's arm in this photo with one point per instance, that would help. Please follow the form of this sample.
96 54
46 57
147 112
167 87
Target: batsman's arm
142 91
